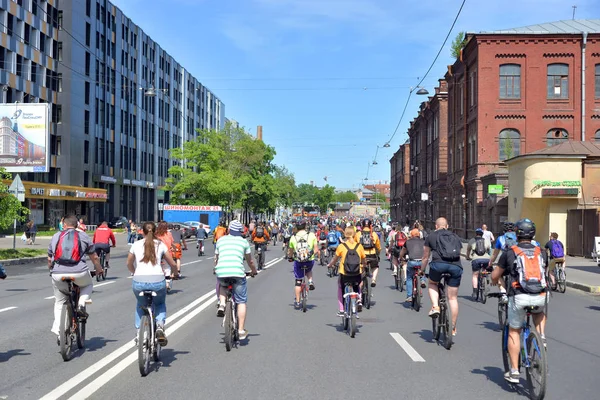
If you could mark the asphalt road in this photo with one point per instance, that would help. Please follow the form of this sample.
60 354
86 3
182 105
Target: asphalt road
288 354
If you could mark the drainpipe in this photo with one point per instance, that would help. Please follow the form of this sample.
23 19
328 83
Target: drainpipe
585 35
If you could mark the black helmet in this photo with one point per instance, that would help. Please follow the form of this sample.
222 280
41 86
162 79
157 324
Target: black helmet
525 229
367 223
508 226
301 224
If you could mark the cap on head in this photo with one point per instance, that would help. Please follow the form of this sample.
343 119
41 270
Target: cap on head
236 226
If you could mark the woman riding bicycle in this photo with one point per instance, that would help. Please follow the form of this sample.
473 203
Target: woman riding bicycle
144 262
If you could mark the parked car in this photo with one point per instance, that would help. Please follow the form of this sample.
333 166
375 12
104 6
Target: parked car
118 222
196 224
188 231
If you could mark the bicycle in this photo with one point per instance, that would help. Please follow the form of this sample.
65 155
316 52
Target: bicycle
417 292
333 271
200 247
443 323
399 279
304 290
147 341
532 356
104 265
260 256
483 285
323 256
72 325
350 309
502 308
560 277
230 320
366 290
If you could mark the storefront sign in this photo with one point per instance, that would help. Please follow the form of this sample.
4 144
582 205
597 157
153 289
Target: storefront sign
495 189
557 183
66 193
560 192
108 179
168 207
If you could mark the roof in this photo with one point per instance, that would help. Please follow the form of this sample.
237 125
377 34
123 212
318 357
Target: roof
558 27
569 148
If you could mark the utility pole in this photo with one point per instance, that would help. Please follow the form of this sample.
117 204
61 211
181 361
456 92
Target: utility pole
574 9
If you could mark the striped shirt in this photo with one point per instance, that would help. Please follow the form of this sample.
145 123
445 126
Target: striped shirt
231 251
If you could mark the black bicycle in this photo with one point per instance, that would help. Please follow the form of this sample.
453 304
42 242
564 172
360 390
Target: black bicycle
104 265
72 324
560 277
230 320
147 341
417 292
350 309
333 271
366 290
483 285
399 279
200 247
260 256
502 308
442 325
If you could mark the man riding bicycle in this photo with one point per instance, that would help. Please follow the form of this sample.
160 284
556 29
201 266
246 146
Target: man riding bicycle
260 238
372 246
413 248
230 253
556 251
102 239
67 259
503 243
302 250
477 251
201 235
524 264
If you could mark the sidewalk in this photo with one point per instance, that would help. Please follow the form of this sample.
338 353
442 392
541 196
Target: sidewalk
582 273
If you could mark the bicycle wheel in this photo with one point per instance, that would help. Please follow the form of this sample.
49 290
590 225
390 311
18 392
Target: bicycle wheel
416 295
262 259
400 280
64 332
304 295
483 290
104 272
505 357
537 370
228 327
366 291
435 328
448 327
502 310
156 348
80 333
97 278
353 318
562 280
144 337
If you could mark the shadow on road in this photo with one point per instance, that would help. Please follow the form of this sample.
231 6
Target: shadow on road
496 375
426 335
5 356
597 308
173 291
96 343
16 290
493 326
246 341
308 306
167 356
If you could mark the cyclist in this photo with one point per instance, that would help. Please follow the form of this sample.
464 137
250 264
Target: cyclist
345 276
289 231
524 265
144 263
260 238
556 251
163 234
413 248
220 231
396 245
65 261
372 246
503 243
229 263
322 237
333 241
178 241
477 251
201 235
443 260
102 239
302 249
275 232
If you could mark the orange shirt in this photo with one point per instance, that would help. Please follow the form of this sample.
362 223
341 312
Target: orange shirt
263 239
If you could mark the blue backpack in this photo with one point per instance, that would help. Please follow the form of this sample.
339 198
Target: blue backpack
332 238
557 250
510 240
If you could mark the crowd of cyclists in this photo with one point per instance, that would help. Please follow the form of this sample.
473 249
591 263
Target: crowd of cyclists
348 246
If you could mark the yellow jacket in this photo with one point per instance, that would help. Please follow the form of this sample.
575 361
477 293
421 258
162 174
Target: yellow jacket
376 242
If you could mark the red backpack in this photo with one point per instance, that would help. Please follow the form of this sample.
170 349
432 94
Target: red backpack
400 239
68 249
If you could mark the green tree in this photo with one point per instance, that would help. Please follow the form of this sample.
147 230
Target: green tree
323 197
306 193
285 186
345 197
10 206
378 198
457 45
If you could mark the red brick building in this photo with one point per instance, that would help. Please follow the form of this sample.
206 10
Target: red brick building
399 187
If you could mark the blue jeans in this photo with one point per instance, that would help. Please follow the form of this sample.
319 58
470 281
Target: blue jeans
160 307
410 272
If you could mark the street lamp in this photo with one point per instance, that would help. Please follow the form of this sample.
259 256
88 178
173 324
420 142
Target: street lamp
421 92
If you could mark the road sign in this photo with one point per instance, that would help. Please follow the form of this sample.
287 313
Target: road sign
495 189
17 189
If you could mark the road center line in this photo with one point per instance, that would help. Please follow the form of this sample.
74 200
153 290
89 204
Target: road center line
412 353
7 309
49 298
103 283
191 262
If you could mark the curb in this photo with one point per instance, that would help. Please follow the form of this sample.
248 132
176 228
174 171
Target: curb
583 287
25 260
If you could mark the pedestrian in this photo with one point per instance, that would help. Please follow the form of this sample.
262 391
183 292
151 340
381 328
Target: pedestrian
81 225
28 232
489 236
128 229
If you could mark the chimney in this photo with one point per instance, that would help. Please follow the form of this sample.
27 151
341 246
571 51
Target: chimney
259 132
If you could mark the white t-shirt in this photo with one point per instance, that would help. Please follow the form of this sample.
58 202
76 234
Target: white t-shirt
147 272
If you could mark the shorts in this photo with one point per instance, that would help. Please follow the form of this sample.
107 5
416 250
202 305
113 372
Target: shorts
299 272
552 263
436 269
516 312
286 240
176 251
373 260
478 264
240 290
355 280
102 246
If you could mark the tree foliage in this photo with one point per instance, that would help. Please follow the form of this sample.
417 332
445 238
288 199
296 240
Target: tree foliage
10 206
457 44
345 197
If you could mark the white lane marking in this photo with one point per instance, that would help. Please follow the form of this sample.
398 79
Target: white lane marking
191 262
7 309
272 262
49 298
210 258
103 283
412 353
93 369
114 371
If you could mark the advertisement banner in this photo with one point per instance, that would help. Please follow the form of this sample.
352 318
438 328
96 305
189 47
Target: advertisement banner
24 137
169 207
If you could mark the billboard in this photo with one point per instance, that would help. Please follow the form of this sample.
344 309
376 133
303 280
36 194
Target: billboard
24 137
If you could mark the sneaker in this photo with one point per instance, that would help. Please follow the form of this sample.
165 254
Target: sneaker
359 306
474 294
394 273
423 283
161 336
544 342
221 311
408 299
81 312
435 312
243 334
504 299
341 313
512 376
296 304
373 284
311 285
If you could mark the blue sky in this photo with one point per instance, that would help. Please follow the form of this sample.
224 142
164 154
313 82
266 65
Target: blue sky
327 79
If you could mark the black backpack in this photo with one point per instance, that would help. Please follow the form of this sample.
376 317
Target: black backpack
448 245
260 232
366 239
352 261
480 246
322 235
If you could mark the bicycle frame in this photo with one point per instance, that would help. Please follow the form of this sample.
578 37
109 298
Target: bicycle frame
149 310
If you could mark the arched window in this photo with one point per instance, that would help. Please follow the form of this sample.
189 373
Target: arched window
597 136
509 144
556 136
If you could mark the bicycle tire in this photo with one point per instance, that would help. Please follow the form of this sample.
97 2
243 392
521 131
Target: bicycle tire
416 295
262 259
228 326
199 251
367 294
104 273
304 296
502 317
448 327
396 280
64 332
505 357
435 329
80 334
144 337
352 318
538 362
400 278
483 291
97 278
562 282
156 352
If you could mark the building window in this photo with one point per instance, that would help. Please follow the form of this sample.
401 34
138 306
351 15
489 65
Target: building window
60 19
86 151
60 51
556 136
509 144
88 7
88 34
597 81
510 81
597 136
558 81
86 122
462 98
